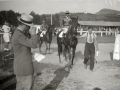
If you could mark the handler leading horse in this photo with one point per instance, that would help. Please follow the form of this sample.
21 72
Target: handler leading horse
67 45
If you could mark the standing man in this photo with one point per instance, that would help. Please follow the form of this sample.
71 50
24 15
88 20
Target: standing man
66 21
23 65
116 54
44 28
90 46
6 35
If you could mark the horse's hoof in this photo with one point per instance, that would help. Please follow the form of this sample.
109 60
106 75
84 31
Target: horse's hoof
71 66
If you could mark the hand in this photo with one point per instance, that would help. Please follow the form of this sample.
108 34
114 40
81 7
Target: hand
32 30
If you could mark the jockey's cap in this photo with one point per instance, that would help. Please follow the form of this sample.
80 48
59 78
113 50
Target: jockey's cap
67 12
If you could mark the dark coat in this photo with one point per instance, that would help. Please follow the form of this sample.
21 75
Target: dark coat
23 64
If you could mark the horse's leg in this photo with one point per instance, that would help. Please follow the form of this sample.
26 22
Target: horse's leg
59 52
73 54
49 47
46 47
40 44
69 56
59 47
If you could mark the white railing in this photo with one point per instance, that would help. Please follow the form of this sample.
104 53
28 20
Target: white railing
101 32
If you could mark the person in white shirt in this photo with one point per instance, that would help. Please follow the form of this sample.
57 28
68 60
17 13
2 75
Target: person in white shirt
90 47
116 53
6 35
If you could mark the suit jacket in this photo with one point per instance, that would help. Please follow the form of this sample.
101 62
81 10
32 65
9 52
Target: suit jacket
22 45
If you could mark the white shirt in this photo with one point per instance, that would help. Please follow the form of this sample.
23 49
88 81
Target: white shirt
87 35
6 28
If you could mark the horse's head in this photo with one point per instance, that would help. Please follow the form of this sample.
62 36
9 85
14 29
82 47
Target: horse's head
50 31
74 25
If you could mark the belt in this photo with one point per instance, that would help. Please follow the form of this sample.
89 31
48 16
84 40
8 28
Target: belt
66 25
90 43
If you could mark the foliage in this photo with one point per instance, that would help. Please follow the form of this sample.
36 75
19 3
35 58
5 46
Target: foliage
11 16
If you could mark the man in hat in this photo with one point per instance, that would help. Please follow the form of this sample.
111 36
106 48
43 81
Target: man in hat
90 47
23 65
44 28
66 21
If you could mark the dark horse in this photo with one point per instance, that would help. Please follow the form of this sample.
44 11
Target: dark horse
47 38
67 46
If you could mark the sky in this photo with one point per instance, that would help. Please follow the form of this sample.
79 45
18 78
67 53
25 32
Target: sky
56 6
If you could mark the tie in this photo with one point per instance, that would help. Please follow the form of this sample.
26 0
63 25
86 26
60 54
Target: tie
90 38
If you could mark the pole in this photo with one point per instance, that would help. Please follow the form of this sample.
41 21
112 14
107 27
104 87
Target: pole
51 19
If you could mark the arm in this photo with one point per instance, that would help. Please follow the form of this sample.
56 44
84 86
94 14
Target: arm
2 29
96 45
32 42
84 35
95 42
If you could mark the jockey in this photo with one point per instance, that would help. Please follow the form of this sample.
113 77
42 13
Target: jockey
66 21
44 28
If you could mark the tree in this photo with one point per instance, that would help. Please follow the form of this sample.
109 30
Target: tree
43 17
9 16
57 23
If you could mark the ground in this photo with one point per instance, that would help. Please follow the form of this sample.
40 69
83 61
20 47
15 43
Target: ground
54 76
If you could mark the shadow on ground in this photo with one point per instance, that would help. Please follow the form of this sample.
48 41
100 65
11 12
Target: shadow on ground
60 74
7 82
79 56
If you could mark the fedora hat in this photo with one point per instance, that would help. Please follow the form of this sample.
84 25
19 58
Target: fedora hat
26 19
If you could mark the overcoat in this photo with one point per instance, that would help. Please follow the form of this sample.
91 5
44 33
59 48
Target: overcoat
22 45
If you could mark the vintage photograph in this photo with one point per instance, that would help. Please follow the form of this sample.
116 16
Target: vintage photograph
59 44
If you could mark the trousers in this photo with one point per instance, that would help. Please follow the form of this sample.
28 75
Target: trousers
24 82
89 53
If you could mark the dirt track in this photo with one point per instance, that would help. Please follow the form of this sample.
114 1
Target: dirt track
54 76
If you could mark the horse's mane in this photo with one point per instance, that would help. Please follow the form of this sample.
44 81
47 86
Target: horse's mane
48 30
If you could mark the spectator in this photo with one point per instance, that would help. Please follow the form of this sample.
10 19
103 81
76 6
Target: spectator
23 65
6 35
116 54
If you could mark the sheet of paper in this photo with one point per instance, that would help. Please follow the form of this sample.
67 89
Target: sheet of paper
38 57
97 53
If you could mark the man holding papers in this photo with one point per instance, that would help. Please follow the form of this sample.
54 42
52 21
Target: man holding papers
91 46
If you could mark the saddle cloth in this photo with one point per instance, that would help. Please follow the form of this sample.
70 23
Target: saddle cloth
64 31
43 33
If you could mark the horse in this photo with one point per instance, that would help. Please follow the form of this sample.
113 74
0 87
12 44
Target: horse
47 38
67 45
